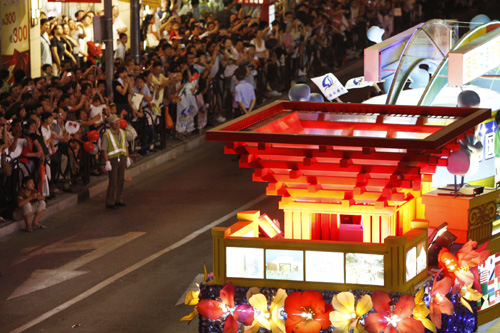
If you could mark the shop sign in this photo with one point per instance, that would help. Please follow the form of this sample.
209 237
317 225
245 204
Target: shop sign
15 35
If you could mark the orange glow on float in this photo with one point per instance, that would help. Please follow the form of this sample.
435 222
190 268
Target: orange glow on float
449 261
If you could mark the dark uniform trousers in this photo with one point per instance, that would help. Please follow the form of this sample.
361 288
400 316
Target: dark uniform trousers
116 179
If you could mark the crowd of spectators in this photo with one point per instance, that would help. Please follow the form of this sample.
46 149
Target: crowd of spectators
193 60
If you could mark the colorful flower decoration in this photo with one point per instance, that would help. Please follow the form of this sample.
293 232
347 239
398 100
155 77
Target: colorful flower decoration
346 317
459 266
212 309
439 303
271 318
421 311
467 293
390 318
307 312
193 297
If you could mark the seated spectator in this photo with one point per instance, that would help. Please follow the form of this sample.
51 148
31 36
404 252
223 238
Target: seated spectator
30 205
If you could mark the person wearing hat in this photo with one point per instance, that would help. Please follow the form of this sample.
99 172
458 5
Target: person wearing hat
115 152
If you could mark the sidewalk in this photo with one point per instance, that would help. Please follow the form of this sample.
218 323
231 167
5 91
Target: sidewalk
99 184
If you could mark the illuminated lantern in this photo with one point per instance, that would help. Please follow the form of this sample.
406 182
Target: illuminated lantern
299 93
88 146
478 20
458 163
315 97
449 261
123 123
93 135
419 78
375 34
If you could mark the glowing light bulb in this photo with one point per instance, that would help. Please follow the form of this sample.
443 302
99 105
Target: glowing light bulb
393 320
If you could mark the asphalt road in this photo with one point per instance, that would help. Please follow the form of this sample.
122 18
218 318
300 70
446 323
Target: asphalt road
98 270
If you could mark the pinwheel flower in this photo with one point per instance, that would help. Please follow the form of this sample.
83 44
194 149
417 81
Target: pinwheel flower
212 309
467 293
439 302
391 319
307 312
269 319
421 312
346 317
459 266
192 297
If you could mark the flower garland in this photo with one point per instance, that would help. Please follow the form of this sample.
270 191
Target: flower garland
439 305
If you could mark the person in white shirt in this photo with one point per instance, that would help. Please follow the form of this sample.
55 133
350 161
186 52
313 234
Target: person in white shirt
118 26
45 42
96 109
121 49
46 129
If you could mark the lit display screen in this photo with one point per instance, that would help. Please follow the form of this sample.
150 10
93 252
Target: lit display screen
244 262
285 265
364 268
421 257
324 267
489 278
416 261
411 264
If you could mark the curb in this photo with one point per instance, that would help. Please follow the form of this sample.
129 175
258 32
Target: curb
100 185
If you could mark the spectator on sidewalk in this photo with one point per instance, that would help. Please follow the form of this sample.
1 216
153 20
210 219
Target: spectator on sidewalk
45 51
121 49
115 152
30 205
244 92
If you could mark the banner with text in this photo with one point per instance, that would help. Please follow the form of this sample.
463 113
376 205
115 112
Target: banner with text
15 35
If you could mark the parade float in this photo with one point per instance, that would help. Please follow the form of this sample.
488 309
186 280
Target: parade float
386 226
362 225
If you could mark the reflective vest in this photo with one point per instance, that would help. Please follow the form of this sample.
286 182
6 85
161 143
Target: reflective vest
116 149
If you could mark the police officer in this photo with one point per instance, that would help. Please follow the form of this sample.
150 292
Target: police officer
115 151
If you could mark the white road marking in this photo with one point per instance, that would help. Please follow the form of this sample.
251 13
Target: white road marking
134 267
198 279
44 278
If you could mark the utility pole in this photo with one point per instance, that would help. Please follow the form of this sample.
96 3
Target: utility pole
135 31
108 52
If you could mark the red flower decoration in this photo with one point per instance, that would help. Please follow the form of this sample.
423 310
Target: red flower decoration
459 267
391 319
212 309
439 303
307 312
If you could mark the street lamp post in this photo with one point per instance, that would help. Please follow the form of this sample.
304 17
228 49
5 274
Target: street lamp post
135 28
108 52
